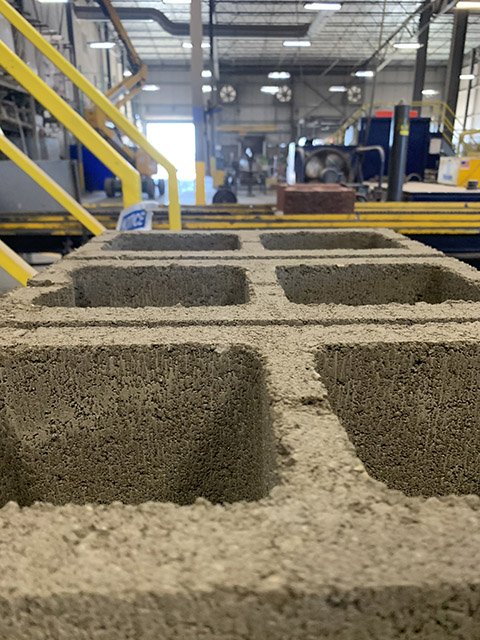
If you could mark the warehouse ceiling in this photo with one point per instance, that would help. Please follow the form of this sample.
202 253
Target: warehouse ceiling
348 37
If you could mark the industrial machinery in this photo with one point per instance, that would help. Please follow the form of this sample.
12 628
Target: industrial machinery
120 95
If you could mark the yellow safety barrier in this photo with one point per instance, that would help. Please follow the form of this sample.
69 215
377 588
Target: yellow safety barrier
50 186
102 102
132 189
14 265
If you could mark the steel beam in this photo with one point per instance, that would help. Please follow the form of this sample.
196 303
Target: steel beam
196 66
421 60
398 152
454 69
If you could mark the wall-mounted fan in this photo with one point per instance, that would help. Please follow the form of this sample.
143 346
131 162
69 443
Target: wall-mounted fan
354 94
284 94
228 94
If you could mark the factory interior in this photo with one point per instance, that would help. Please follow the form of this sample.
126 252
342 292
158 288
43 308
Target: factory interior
239 320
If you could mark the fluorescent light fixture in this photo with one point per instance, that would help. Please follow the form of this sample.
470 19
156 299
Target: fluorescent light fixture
297 43
53 1
150 87
206 73
467 76
365 74
176 1
337 89
279 75
467 4
189 45
101 45
270 89
127 73
207 88
408 45
430 92
322 6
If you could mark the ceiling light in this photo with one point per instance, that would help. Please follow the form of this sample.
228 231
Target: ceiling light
322 6
207 88
101 45
408 45
297 43
467 76
53 1
150 87
279 75
430 92
270 89
189 45
206 73
365 74
337 89
467 4
127 73
176 1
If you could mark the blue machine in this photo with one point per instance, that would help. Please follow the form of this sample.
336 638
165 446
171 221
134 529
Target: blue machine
380 135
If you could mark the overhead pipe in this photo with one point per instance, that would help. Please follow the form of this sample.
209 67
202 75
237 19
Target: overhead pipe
182 29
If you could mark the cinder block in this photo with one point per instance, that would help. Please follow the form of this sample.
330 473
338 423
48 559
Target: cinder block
195 245
297 540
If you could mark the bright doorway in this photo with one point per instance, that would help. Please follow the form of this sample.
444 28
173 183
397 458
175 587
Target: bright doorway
176 141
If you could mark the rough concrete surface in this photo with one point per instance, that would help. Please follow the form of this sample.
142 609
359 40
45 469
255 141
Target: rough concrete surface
275 477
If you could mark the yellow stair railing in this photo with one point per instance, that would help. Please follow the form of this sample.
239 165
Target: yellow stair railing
469 143
71 120
49 185
14 265
22 25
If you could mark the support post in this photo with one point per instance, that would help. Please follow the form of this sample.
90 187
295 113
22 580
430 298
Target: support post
421 60
454 70
196 66
398 152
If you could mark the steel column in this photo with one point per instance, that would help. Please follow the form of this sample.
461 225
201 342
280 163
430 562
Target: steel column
398 152
421 61
454 70
196 66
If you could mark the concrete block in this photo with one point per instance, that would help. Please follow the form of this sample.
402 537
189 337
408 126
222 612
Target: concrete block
195 245
300 539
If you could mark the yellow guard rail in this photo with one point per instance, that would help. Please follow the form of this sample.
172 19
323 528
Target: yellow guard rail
132 190
14 265
50 186
100 101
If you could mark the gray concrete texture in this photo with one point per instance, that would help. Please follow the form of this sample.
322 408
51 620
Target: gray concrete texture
260 469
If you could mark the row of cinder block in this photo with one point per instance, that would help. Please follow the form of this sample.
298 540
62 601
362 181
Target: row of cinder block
241 436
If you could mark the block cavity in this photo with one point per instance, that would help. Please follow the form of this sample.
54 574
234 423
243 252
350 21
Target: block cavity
317 240
363 284
173 242
412 412
134 423
151 286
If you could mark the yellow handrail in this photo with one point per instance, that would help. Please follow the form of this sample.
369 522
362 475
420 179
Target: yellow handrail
132 190
50 186
102 102
14 265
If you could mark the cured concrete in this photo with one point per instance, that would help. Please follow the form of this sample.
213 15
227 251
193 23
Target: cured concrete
263 470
